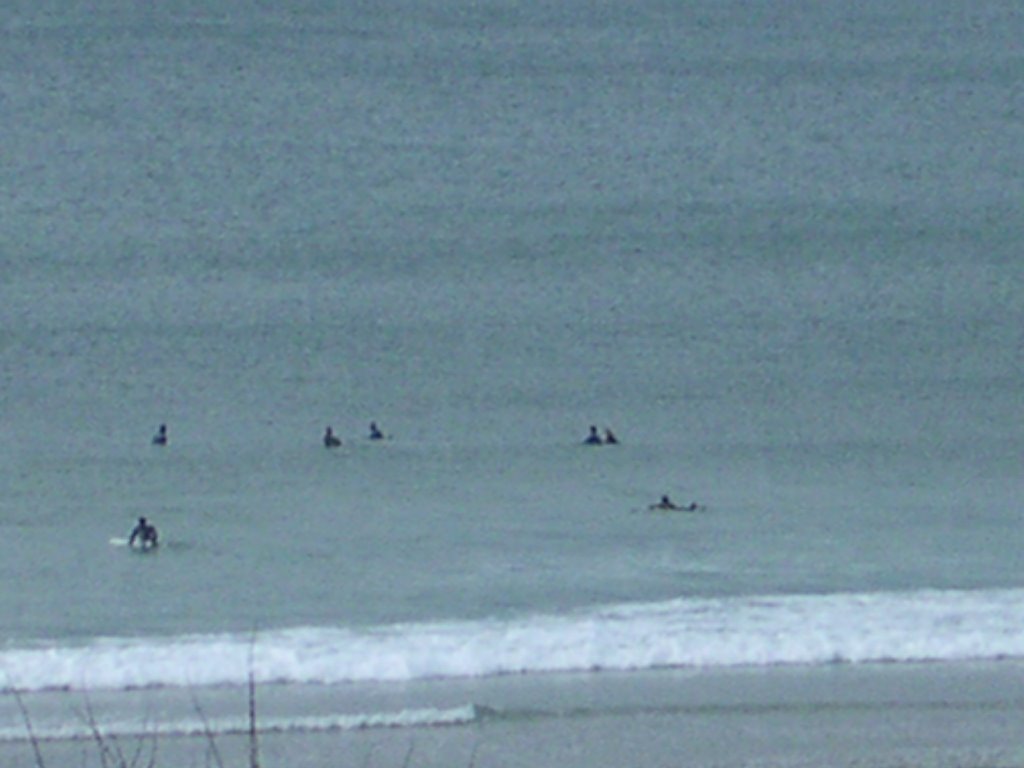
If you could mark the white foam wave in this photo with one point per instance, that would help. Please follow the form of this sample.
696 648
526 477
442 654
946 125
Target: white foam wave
914 626
138 728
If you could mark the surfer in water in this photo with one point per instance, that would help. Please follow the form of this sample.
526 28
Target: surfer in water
330 439
610 438
160 438
375 433
145 533
593 438
666 504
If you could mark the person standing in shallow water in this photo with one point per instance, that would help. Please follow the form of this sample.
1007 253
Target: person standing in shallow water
160 438
145 533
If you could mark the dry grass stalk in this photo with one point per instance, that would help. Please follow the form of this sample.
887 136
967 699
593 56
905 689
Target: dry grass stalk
28 726
254 747
211 742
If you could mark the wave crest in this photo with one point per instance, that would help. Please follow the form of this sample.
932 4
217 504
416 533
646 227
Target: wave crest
912 626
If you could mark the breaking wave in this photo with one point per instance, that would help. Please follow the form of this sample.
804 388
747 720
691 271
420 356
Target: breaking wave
741 631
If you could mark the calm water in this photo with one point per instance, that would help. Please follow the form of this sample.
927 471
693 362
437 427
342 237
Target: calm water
776 249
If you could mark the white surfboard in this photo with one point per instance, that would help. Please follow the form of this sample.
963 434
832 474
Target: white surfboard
118 541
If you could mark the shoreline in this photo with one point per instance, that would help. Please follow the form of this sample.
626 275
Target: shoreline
925 714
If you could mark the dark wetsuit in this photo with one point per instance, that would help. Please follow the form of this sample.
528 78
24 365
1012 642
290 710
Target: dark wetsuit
146 535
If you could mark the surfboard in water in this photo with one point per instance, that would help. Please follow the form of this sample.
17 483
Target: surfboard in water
119 541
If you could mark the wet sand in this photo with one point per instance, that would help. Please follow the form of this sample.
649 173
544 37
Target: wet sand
843 715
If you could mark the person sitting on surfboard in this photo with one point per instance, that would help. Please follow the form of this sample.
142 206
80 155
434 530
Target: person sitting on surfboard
375 433
146 533
330 439
593 438
610 438
160 438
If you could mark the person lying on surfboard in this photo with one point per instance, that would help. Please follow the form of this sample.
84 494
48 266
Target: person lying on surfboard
667 504
146 533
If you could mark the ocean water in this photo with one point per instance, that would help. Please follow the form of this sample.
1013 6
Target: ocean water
774 247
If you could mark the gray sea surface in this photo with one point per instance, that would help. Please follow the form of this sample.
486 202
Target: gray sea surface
773 246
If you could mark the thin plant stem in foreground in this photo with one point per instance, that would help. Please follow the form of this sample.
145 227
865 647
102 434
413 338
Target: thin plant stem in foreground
28 726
